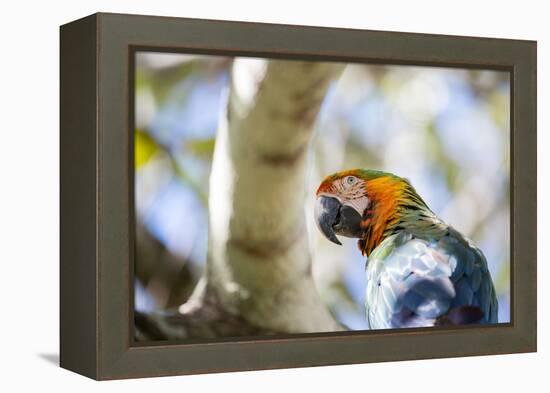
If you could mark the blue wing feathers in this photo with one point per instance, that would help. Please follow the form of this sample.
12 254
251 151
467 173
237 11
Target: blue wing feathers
431 308
464 293
476 278
419 281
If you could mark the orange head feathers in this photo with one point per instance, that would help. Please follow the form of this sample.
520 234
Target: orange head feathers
366 204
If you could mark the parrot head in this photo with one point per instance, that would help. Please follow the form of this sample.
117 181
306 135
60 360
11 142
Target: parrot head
364 204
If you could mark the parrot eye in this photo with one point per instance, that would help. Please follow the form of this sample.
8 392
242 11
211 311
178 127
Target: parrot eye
350 180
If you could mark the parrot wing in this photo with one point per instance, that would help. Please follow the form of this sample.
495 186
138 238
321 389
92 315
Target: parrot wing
414 282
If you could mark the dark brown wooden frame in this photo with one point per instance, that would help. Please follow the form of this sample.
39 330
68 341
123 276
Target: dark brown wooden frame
96 204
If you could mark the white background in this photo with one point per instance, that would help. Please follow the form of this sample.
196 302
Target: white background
29 212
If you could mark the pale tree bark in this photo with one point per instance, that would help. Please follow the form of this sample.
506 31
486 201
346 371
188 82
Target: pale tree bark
258 277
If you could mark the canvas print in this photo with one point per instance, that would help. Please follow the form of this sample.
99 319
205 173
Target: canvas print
283 196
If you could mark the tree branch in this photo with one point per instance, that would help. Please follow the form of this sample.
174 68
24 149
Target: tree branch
260 263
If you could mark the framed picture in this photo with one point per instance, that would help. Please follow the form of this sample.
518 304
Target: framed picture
241 196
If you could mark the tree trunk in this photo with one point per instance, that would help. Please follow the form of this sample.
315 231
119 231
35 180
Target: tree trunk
258 273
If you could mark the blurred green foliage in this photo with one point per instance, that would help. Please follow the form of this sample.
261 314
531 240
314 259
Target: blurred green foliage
144 148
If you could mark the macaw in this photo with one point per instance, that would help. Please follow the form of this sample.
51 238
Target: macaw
420 271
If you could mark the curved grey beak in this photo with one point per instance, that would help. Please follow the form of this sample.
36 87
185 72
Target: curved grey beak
327 210
334 218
